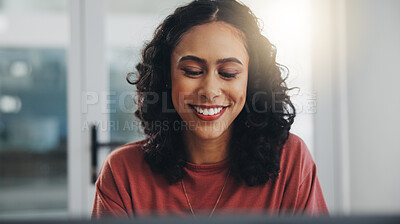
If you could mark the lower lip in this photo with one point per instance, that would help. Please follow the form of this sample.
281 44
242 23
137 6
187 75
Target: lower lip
209 117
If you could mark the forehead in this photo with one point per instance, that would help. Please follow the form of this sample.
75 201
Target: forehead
213 40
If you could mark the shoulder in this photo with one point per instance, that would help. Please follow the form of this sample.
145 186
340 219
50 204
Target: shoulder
295 156
129 149
124 163
295 144
128 154
295 147
121 167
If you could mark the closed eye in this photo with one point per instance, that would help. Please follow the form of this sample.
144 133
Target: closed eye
194 73
228 75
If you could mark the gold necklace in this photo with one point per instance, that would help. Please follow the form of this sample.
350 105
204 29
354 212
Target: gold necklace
216 203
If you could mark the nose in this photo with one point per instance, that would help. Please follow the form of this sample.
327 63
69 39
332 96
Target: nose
210 88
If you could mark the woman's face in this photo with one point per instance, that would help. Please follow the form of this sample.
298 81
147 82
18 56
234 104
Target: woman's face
209 72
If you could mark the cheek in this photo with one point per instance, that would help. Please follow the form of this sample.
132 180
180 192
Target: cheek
238 91
181 89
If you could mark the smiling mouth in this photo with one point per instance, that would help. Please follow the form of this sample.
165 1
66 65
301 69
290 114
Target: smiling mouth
208 113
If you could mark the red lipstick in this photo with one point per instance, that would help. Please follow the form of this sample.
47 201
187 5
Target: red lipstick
209 117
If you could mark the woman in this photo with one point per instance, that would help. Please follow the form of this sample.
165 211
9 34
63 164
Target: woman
214 105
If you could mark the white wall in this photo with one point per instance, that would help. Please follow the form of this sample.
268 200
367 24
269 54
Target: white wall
373 77
326 142
356 51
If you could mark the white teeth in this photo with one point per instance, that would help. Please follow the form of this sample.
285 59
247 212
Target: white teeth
210 111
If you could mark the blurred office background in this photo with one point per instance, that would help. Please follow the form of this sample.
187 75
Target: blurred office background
63 65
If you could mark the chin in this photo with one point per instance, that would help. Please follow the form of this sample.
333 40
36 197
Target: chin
207 134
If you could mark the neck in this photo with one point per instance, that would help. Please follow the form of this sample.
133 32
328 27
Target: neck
206 151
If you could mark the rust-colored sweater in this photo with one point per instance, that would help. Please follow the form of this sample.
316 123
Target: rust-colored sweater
127 187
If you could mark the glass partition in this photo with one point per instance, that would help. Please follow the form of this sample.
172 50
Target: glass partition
33 108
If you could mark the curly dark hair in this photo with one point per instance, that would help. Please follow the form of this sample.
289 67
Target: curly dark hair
262 127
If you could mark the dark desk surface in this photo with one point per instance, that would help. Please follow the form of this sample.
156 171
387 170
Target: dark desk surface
231 220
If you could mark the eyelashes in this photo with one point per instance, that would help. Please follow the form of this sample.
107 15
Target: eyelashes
228 75
193 73
197 73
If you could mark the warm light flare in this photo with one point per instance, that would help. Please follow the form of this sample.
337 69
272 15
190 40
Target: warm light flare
287 24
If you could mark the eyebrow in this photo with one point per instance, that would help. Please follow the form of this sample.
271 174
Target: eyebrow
202 61
225 60
193 58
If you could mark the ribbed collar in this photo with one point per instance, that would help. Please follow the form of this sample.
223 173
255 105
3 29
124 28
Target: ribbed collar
208 168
